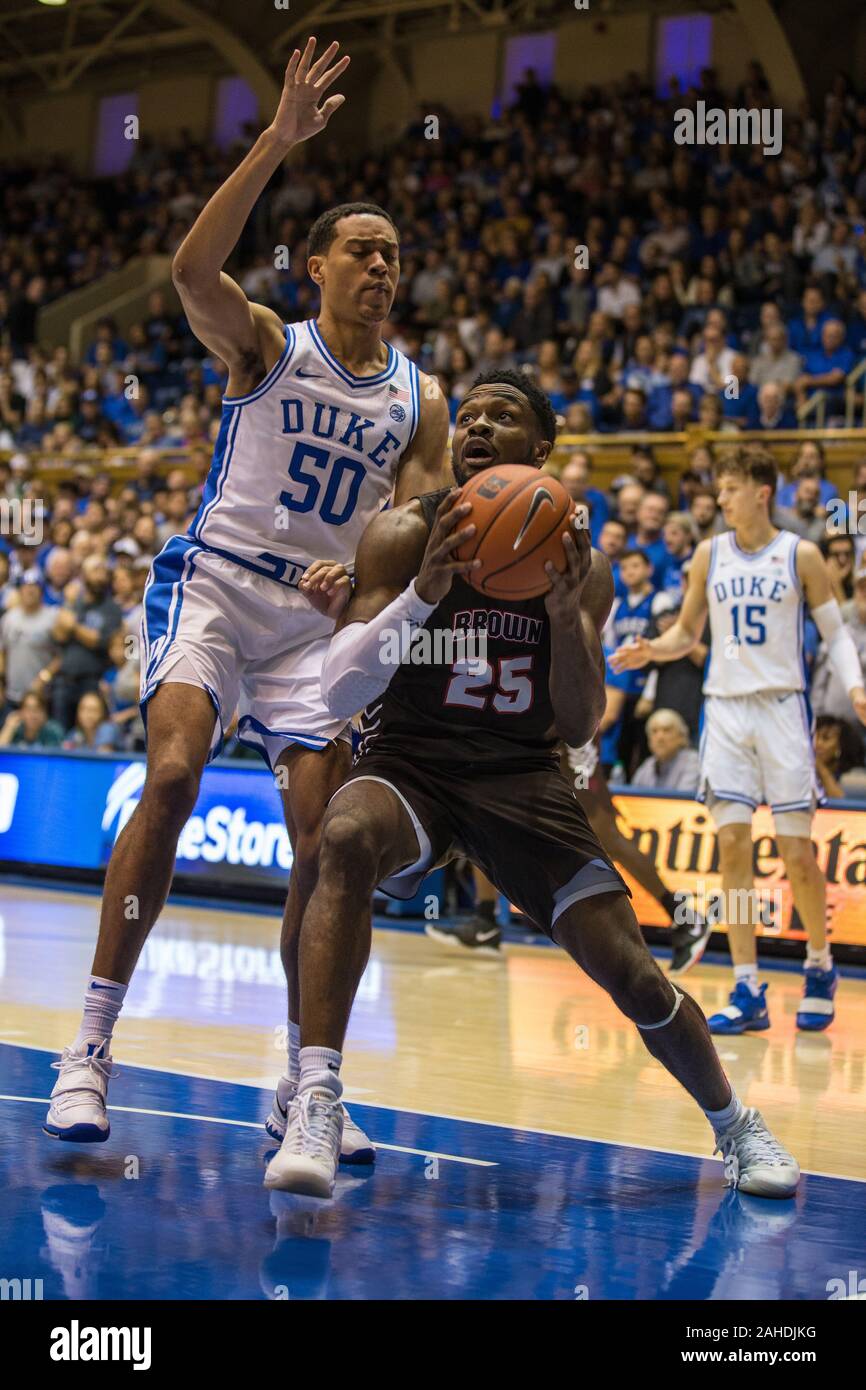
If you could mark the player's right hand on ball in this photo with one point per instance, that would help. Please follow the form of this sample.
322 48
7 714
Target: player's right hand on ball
440 564
631 656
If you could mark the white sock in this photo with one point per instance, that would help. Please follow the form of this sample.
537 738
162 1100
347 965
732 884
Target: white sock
320 1070
723 1120
103 1000
749 975
819 960
293 1046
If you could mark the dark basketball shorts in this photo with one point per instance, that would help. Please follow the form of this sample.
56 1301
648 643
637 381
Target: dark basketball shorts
523 828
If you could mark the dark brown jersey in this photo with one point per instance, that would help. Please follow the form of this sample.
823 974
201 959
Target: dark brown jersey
475 685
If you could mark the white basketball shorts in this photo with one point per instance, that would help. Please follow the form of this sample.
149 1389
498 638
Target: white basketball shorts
756 750
255 645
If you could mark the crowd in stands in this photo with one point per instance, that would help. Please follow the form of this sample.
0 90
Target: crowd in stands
645 285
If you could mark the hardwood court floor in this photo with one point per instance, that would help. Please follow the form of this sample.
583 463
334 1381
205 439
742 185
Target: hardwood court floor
526 1042
527 1147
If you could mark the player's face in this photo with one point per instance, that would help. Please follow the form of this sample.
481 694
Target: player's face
741 500
495 425
360 271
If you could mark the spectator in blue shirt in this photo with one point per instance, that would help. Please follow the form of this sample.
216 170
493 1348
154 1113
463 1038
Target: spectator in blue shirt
93 728
575 479
680 537
649 533
612 541
809 463
805 332
857 328
774 413
642 465
660 402
611 726
739 398
827 366
106 332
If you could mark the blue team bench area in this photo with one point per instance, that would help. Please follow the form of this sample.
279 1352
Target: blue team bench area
60 814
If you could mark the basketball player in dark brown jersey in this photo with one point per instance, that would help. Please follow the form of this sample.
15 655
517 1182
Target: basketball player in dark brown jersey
461 753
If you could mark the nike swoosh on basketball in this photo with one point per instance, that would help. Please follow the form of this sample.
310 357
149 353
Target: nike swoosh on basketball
539 497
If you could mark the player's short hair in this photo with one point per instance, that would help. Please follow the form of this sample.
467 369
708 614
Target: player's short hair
324 229
633 550
542 409
750 461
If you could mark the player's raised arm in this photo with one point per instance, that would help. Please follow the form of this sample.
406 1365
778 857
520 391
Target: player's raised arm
815 582
249 337
683 635
425 466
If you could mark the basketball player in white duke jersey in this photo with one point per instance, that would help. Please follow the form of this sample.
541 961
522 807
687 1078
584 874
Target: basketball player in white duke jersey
756 744
322 423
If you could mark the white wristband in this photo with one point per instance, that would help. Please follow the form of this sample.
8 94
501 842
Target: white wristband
360 660
840 644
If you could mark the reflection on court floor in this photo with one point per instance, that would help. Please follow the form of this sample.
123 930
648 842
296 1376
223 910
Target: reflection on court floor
172 1207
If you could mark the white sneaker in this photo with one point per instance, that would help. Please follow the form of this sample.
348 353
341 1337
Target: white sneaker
77 1113
310 1152
755 1162
356 1146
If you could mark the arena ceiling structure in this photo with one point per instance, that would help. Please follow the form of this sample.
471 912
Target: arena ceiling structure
54 45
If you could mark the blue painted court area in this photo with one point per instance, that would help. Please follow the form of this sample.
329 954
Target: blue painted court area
172 1207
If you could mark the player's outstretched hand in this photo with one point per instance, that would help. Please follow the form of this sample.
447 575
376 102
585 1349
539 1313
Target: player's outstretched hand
563 598
299 115
858 700
439 564
327 586
631 656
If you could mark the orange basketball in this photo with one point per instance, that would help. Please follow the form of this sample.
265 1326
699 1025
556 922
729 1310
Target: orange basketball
520 515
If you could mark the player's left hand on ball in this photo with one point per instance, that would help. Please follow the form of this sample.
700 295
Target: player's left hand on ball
563 597
328 587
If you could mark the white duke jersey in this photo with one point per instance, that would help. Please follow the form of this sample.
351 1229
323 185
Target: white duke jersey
757 615
305 461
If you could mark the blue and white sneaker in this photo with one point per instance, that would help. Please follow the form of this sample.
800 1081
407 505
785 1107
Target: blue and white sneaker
816 1011
77 1112
744 1013
355 1146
